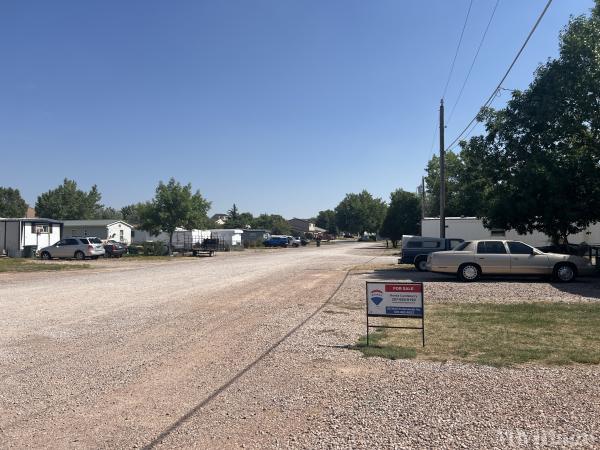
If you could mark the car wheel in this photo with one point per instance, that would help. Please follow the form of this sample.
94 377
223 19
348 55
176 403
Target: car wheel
46 255
421 265
79 255
564 272
469 272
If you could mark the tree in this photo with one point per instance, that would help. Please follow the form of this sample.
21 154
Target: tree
326 219
273 222
463 194
540 155
233 213
174 206
67 202
361 212
403 216
130 213
239 220
11 203
108 212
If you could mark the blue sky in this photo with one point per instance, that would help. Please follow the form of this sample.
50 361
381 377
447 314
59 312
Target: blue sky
280 106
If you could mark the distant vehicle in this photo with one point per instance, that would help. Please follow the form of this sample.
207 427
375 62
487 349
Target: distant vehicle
294 241
74 247
348 235
276 241
472 259
304 241
114 249
415 249
364 238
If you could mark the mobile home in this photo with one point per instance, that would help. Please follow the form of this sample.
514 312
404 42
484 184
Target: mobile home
19 237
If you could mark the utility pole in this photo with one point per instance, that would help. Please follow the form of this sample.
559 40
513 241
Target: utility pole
422 197
442 174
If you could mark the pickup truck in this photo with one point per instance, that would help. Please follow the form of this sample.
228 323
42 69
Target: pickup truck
415 249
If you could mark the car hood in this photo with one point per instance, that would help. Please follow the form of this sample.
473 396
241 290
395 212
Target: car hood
572 258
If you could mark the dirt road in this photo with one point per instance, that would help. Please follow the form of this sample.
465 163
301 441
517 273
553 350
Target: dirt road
246 350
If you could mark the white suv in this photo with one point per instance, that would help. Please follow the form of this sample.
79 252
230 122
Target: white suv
74 247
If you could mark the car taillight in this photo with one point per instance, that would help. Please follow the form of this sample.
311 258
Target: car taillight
90 248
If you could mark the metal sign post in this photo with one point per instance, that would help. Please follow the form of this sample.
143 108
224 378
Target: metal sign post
395 299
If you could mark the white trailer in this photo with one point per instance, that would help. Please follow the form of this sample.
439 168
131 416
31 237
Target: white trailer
232 238
17 236
469 228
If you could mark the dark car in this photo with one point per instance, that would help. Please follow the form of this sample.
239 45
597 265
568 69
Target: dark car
114 249
276 241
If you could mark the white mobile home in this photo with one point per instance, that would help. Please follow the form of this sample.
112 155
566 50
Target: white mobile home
105 229
18 236
469 228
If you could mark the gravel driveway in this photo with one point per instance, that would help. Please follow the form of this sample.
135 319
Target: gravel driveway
208 353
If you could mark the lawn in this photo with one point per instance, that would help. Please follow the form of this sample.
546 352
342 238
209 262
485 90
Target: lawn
28 265
496 335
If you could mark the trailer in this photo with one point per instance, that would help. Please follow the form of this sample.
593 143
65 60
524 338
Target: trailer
208 246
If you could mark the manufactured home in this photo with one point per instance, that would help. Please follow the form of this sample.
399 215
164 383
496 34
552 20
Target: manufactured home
22 237
469 228
105 229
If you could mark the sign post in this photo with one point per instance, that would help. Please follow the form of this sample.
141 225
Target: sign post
395 299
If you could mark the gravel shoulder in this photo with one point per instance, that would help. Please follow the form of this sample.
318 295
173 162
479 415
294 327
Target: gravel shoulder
126 358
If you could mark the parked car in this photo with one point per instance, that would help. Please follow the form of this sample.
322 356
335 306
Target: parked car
304 241
472 259
415 249
114 249
294 241
276 241
74 247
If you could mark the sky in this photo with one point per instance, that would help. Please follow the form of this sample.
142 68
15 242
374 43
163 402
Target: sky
278 106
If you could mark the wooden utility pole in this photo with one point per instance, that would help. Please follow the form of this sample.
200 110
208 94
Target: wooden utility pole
422 197
442 174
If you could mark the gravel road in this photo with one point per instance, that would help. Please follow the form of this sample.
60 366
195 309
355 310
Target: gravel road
208 353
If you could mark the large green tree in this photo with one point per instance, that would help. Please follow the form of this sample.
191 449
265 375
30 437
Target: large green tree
326 219
273 222
130 213
360 212
174 205
540 157
11 203
67 202
463 190
403 216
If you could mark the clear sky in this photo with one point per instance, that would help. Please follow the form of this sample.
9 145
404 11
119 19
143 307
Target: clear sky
280 106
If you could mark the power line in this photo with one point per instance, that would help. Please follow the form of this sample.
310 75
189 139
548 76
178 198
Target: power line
474 59
462 33
488 101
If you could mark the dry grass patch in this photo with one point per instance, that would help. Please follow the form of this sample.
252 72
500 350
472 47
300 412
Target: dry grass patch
28 265
498 335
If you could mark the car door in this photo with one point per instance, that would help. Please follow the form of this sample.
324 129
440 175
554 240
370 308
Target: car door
525 260
492 257
59 250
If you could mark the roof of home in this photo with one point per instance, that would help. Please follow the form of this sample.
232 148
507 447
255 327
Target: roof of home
92 223
29 219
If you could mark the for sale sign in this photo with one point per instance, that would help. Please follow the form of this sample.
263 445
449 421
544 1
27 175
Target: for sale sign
394 299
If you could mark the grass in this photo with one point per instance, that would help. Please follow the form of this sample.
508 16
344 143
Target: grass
497 335
28 265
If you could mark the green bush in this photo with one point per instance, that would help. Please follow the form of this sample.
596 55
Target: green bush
156 248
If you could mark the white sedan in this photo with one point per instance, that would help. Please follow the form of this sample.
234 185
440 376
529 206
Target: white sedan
472 259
